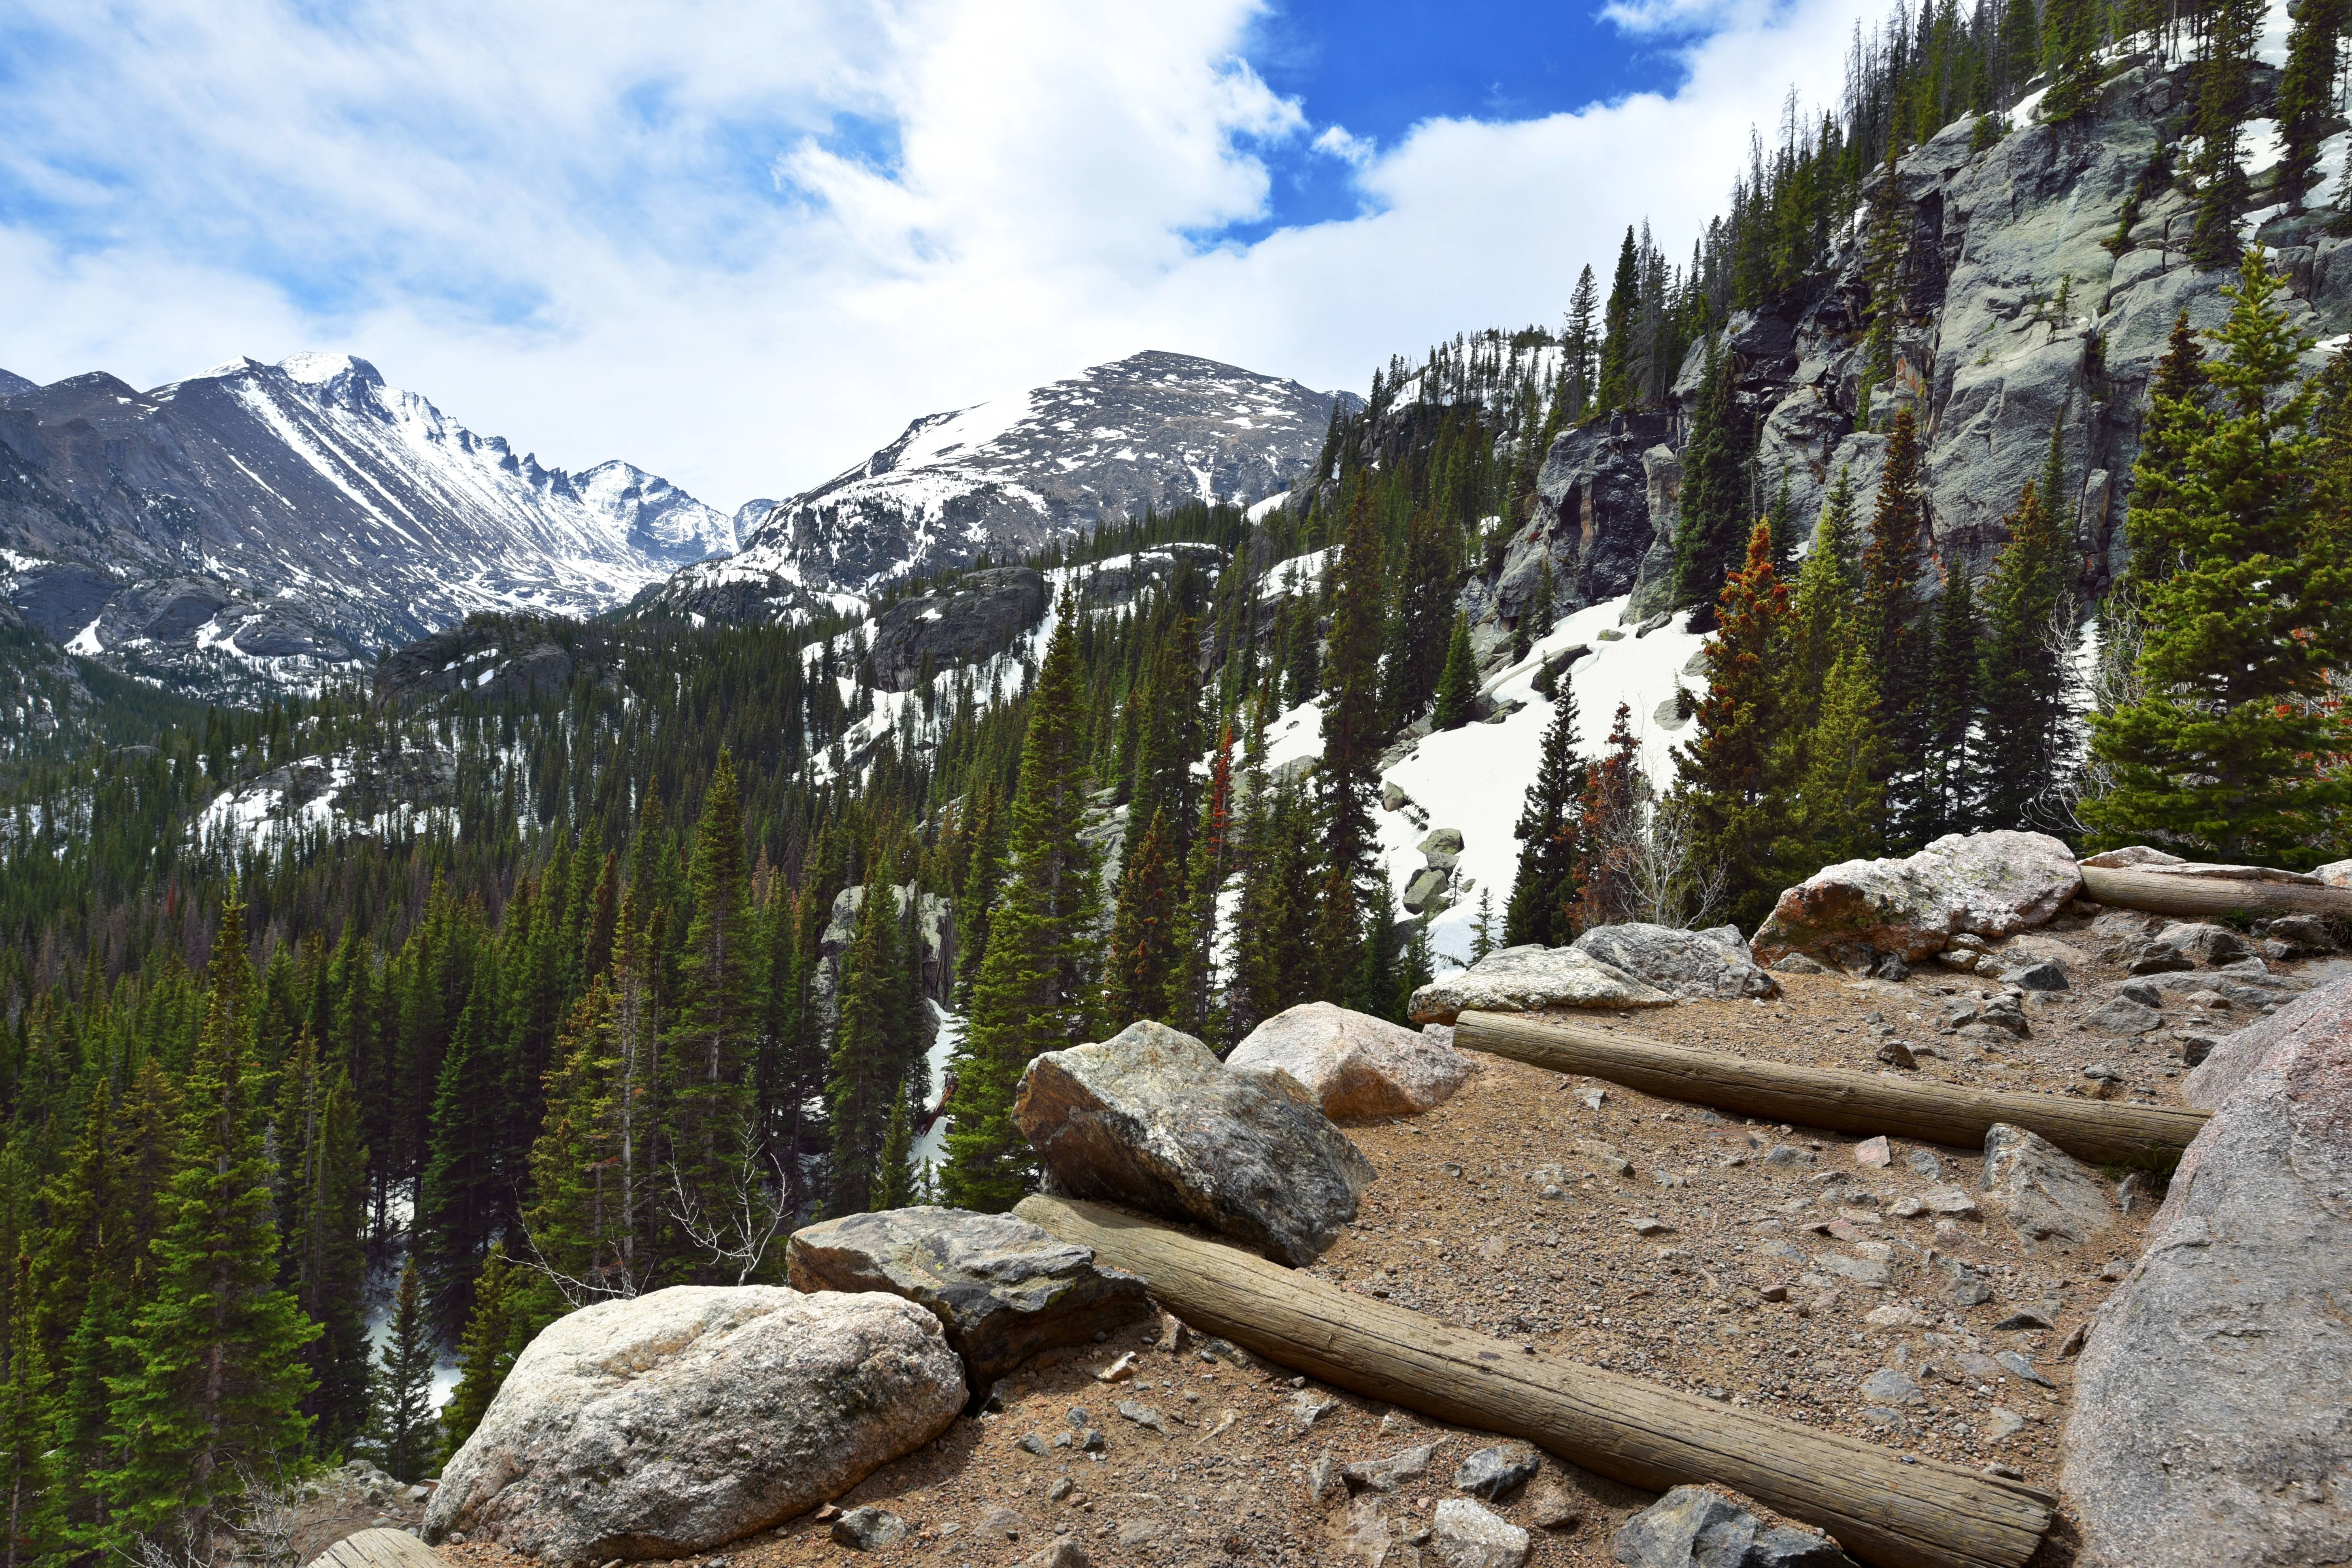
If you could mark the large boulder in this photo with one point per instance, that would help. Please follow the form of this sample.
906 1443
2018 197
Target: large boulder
1986 884
2213 1401
2045 1195
1709 964
1003 1289
1530 979
684 1419
1693 1527
1151 1119
1352 1063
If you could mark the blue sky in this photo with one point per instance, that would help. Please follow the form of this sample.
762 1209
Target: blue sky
742 243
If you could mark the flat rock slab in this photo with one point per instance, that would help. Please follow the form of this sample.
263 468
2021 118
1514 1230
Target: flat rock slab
1530 979
1693 1527
689 1418
1987 884
2045 1195
1151 1119
1353 1064
2213 1401
1713 966
1002 1288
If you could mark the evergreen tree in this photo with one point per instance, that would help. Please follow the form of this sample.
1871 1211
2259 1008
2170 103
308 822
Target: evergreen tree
1838 810
584 1223
1579 350
2227 755
462 1197
1892 634
1609 824
1273 945
1714 491
2307 95
1416 633
402 1428
1036 990
712 1046
1481 928
1349 771
1886 242
28 1480
2224 93
894 1181
2023 677
1953 770
507 1310
871 1047
218 1380
322 1181
1730 774
1191 986
2070 53
1827 584
1457 687
976 897
1143 957
2175 422
1544 887
1615 388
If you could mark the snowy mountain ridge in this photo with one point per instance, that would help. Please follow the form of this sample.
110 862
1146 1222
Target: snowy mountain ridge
257 525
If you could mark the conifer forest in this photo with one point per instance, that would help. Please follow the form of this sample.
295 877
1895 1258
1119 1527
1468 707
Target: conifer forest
639 969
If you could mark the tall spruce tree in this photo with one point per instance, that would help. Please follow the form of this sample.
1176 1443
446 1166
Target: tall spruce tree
1349 771
219 1382
402 1428
2221 755
1615 388
2024 673
1892 624
2307 95
1457 685
2224 92
1543 890
322 1200
1714 525
1036 987
872 1048
1191 999
1730 775
1953 772
1143 956
30 1497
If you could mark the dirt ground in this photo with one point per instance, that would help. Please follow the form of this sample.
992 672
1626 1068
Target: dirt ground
1759 1263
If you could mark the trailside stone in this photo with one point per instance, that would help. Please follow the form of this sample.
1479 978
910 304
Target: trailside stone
1352 1063
1002 1288
2140 858
689 1417
1495 1473
2203 940
1986 884
1693 1527
1150 1118
1463 1535
2045 1194
1528 979
1684 963
2212 1407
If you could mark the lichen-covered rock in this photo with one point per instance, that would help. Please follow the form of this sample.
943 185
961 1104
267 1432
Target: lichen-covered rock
1151 1119
1352 1063
1002 1288
1986 884
1692 1527
1713 964
1530 979
2212 1409
2045 1194
689 1418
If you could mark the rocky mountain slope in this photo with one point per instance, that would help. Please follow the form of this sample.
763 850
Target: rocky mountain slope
2026 304
1004 478
259 525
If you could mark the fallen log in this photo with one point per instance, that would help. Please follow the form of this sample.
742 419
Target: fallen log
1923 1109
2170 893
1922 1515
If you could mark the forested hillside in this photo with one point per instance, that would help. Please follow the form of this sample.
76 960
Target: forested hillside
561 961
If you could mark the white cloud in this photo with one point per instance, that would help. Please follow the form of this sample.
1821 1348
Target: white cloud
742 243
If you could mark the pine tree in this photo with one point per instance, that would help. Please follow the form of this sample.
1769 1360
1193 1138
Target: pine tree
1827 584
1190 1000
401 1429
323 1180
1416 633
28 1479
1615 388
1953 771
1143 959
894 1182
2227 755
2224 92
1272 944
1482 927
871 1048
462 1196
1730 775
1579 347
2070 46
976 897
2307 95
1349 771
507 1310
2023 677
218 1380
712 1047
1709 538
1838 806
1544 885
1457 687
1609 824
583 1224
2176 421
1886 242
1035 991
1891 625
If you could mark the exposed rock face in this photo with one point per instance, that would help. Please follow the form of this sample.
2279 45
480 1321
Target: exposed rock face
1985 884
2045 1194
935 918
692 1417
498 657
2213 1402
1151 1119
1526 979
978 616
1352 1063
1685 963
1002 1288
1692 1527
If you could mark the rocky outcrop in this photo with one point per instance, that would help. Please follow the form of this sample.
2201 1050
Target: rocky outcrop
1709 964
1002 1288
689 1418
2213 1400
1531 979
978 614
935 918
1694 1527
494 657
1983 884
1151 1119
1352 1063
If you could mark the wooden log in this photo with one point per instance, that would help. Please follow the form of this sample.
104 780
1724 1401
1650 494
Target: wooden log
1923 1515
378 1548
2165 893
1923 1109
